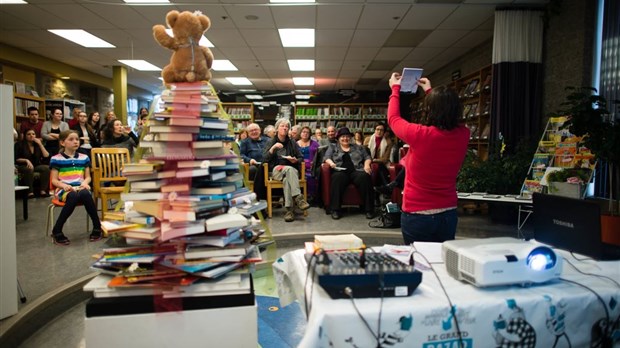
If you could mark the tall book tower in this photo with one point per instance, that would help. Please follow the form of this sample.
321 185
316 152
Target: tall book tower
181 217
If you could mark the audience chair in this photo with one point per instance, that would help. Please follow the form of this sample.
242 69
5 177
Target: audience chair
245 169
107 167
271 184
50 211
352 196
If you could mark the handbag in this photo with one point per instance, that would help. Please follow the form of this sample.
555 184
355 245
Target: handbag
389 217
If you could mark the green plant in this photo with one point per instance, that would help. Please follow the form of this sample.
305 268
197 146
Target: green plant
501 173
590 119
581 175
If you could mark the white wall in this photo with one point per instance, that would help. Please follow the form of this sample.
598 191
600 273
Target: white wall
8 258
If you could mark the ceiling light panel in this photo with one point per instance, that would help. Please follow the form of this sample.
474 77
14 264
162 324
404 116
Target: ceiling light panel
140 64
301 64
303 81
146 1
12 2
223 65
239 81
290 1
297 37
253 96
82 38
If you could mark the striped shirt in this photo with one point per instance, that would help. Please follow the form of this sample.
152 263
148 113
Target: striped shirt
70 170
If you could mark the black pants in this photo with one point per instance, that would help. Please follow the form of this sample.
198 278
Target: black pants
361 180
73 199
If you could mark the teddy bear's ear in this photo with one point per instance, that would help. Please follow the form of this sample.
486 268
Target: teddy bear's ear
171 18
205 21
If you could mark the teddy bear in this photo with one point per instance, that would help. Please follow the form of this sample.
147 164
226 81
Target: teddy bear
189 61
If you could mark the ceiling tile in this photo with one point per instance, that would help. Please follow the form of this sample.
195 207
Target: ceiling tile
294 16
382 16
299 52
123 17
468 17
269 53
331 53
394 53
424 53
226 38
323 65
233 53
382 64
406 38
379 74
362 53
442 38
274 64
239 13
370 38
247 64
350 73
333 37
426 16
261 37
77 16
338 16
474 38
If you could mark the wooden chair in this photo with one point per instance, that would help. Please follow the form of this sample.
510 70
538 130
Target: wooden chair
107 167
245 169
50 211
271 184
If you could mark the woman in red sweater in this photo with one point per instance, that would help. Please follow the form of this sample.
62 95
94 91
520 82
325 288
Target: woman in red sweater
437 150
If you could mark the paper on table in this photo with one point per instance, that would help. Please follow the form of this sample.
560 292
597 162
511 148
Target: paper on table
409 79
339 169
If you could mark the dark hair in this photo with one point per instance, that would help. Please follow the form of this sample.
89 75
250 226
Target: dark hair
443 108
32 108
90 118
382 125
26 148
108 129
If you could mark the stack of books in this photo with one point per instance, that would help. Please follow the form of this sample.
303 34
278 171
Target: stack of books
187 217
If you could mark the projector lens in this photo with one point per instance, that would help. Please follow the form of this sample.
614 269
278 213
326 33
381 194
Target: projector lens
541 258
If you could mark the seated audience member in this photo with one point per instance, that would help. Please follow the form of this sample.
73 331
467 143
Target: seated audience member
86 134
50 131
353 163
29 154
380 150
32 122
109 116
308 148
331 135
284 158
93 121
117 135
358 138
74 121
251 149
269 131
318 137
243 134
143 115
294 132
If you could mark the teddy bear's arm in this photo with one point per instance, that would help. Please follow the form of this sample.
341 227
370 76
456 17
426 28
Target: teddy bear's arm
160 35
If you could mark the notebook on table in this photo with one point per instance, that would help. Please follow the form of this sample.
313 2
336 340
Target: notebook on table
571 224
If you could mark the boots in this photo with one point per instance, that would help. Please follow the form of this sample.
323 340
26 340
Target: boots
301 202
289 216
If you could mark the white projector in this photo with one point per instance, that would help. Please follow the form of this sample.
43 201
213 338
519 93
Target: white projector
500 261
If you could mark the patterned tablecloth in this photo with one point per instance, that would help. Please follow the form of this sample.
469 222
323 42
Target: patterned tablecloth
555 314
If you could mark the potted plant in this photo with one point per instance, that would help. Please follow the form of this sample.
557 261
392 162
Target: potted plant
568 182
590 119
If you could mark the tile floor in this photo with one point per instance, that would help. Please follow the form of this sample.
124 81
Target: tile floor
43 266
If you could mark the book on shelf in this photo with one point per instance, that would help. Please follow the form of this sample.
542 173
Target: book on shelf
152 208
220 270
175 188
139 168
99 287
214 123
138 218
242 199
143 233
565 154
193 213
146 185
173 137
585 160
207 144
207 153
485 131
192 173
174 123
235 237
143 196
217 286
409 79
167 174
252 208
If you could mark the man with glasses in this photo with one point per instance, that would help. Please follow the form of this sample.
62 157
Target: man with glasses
251 148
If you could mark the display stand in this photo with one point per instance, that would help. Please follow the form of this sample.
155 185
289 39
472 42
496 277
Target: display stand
8 252
557 149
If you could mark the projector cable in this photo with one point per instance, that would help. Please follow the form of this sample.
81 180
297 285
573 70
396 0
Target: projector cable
452 309
608 329
591 274
310 270
349 292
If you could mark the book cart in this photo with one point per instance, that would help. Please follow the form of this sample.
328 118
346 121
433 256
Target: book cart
557 149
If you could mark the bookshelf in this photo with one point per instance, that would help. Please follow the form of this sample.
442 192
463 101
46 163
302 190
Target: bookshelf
66 105
356 117
474 91
21 105
241 114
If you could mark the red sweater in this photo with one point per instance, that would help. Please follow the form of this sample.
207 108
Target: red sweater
432 163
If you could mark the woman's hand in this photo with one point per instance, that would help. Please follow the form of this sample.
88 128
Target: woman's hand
275 147
367 169
29 164
395 79
37 141
424 83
